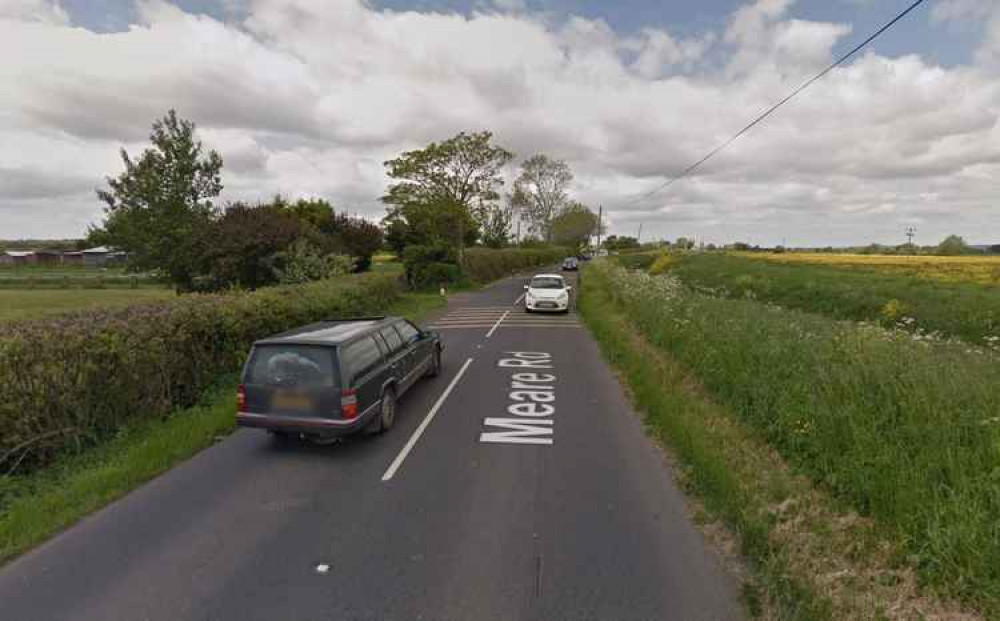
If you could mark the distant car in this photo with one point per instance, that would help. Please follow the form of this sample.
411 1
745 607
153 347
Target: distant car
334 378
570 264
547 292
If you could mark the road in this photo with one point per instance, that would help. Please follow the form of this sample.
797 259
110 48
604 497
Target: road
559 512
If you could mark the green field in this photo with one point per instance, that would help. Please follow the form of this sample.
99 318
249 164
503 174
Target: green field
903 430
966 310
33 303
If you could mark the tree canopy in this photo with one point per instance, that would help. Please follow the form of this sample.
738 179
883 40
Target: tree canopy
540 192
158 208
574 225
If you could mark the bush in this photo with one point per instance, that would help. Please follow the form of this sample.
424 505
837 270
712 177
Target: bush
486 264
434 275
71 381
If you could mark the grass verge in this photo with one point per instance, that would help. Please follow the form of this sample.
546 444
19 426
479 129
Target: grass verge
812 558
38 505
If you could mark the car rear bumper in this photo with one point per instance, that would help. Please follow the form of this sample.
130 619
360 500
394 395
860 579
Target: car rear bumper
307 425
556 307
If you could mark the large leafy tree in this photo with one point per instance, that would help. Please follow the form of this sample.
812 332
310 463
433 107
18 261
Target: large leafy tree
540 192
458 178
160 206
574 225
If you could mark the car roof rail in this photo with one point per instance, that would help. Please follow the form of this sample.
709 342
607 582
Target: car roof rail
348 319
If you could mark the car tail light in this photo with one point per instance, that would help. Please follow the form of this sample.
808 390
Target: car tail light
241 399
348 403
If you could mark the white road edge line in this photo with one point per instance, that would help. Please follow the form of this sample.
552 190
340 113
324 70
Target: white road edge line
497 324
394 466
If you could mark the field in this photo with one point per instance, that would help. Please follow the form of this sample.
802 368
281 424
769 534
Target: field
978 269
68 277
903 430
892 298
32 303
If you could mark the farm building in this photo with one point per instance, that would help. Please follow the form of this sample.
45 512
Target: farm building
72 258
48 257
18 257
101 256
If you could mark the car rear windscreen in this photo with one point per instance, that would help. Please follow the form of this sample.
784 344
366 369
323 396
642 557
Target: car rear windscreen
291 365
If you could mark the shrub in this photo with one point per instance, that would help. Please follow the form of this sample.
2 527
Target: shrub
486 264
69 382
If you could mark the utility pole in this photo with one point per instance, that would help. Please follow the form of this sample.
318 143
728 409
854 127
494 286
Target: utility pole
638 236
910 232
600 216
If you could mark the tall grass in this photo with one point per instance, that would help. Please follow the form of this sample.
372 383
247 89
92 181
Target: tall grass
964 310
905 431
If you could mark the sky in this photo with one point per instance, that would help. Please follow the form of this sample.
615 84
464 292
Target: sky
308 99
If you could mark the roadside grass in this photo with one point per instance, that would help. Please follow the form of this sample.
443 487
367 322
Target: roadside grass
964 310
34 303
36 506
812 557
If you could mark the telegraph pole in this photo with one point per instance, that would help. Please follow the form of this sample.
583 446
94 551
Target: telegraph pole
600 216
638 236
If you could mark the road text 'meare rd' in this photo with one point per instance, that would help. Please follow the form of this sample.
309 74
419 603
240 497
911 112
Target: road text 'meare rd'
531 397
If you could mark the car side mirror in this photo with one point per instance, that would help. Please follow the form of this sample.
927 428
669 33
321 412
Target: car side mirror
569 287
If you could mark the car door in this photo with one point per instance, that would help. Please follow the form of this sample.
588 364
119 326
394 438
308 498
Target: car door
365 358
396 357
418 349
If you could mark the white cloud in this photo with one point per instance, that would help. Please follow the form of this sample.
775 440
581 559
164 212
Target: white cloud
309 98
43 11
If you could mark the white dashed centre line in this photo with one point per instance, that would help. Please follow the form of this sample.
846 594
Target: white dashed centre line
518 300
396 463
497 324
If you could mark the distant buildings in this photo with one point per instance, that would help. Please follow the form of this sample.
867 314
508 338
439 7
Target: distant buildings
102 256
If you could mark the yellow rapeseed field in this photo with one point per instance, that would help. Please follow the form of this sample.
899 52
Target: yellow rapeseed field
980 269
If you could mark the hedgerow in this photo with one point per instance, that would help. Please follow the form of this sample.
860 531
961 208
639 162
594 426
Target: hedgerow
71 381
486 264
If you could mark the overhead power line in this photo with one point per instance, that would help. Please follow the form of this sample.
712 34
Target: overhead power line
775 107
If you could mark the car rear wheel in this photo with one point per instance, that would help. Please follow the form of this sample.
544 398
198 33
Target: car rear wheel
387 411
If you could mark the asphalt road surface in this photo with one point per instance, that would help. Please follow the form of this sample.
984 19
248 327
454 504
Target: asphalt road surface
513 486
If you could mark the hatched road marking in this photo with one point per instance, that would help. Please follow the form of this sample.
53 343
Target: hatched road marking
494 318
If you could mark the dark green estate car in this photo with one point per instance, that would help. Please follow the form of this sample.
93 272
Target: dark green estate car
334 378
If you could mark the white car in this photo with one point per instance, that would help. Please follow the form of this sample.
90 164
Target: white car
547 292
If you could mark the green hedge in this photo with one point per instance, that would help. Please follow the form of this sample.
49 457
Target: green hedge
69 382
486 264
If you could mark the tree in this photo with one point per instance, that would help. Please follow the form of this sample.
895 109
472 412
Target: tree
355 237
953 245
240 247
440 223
496 223
614 242
574 225
994 249
540 192
460 176
160 205
683 243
